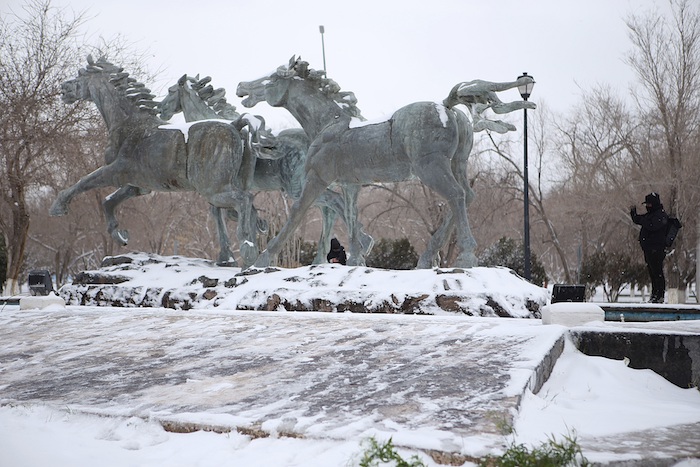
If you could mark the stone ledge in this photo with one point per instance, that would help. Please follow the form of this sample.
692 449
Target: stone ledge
572 314
41 302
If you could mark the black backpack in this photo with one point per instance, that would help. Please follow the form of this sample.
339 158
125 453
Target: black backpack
672 228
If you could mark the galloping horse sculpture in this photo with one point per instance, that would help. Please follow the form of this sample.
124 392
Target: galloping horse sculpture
423 140
144 155
280 165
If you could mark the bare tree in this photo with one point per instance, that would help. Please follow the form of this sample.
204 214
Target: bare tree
540 183
37 50
666 60
594 146
403 210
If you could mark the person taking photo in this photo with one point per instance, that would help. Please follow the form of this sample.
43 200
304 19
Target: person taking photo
652 239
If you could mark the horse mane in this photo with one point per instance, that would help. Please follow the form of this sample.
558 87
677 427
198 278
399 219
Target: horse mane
345 99
136 92
214 98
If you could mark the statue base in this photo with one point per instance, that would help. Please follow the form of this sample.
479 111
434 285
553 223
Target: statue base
147 280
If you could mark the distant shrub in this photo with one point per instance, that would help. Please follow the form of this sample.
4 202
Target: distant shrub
613 271
296 253
510 254
307 252
393 254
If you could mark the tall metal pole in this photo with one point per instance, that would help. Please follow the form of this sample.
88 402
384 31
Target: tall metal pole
525 88
526 209
323 48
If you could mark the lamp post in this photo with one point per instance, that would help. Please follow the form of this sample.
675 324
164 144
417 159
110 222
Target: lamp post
525 91
321 29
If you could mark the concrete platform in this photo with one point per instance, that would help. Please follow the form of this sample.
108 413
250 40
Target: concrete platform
645 312
275 372
311 375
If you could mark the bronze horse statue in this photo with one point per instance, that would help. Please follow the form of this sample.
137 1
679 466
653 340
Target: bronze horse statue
145 154
423 140
280 163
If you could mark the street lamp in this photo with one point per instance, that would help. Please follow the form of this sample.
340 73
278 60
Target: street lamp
525 91
321 29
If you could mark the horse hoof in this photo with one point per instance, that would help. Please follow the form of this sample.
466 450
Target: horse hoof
263 226
121 237
366 243
226 259
424 262
466 260
357 261
57 210
249 253
263 260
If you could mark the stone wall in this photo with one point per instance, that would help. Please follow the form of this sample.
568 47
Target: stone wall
676 357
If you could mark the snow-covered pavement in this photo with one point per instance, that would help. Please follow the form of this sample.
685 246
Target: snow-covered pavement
216 386
431 383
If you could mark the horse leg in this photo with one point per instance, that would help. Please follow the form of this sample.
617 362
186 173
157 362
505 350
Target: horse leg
350 215
109 205
328 216
263 226
313 187
360 241
431 256
225 255
247 230
437 174
336 202
247 225
102 177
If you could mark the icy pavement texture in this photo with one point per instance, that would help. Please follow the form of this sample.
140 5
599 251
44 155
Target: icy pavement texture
437 380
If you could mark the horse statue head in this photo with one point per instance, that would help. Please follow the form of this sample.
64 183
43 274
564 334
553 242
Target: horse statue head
321 95
198 100
111 89
78 89
172 103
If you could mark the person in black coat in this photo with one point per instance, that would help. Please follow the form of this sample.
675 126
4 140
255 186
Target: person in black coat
652 239
337 253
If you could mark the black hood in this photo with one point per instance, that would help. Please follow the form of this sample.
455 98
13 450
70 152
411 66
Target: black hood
654 199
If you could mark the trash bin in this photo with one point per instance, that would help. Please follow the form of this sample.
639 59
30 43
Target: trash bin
568 293
40 282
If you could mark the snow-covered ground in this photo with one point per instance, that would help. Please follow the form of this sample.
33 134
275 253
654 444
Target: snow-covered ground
145 279
590 397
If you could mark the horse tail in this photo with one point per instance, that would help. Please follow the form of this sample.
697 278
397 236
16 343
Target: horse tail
256 136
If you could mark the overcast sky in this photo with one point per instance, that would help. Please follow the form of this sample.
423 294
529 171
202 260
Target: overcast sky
390 53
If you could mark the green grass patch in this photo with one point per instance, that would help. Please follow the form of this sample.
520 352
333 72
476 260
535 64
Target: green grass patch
377 454
552 453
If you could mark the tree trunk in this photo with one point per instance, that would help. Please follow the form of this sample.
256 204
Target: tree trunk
17 241
697 261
